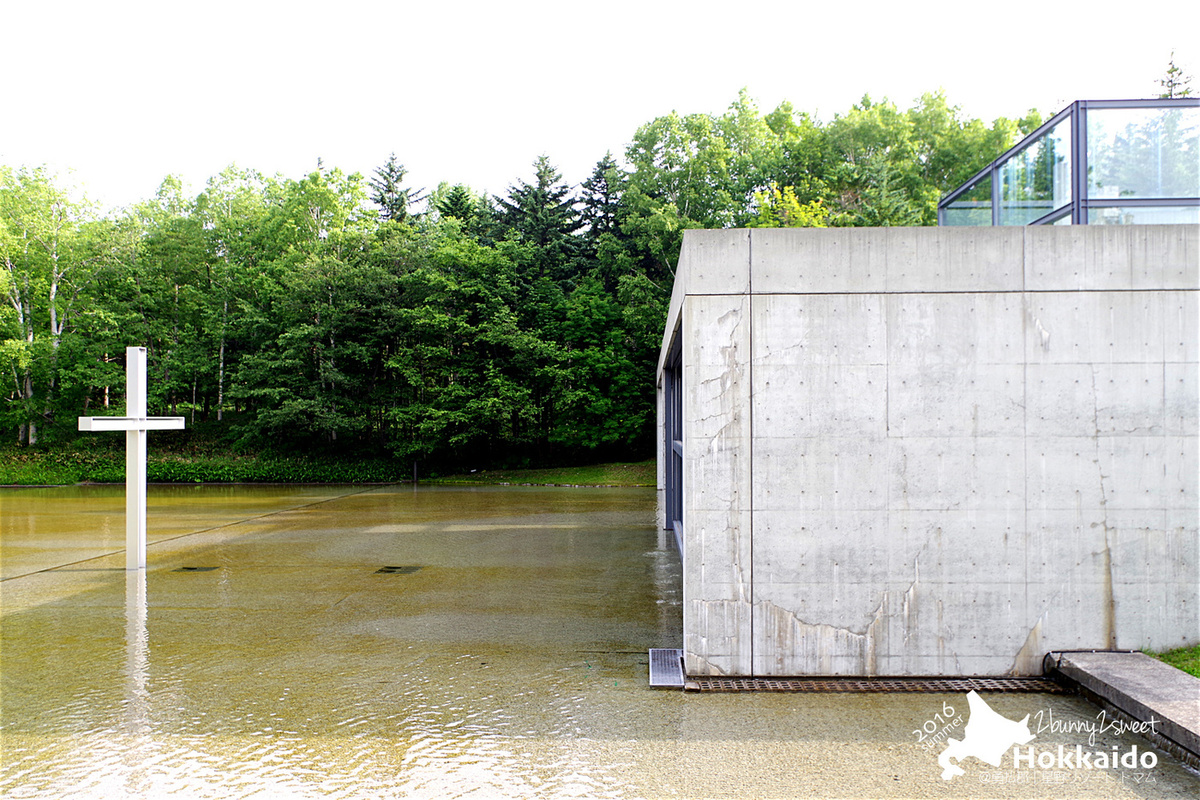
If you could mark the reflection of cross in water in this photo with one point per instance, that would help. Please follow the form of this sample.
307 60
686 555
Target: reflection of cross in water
137 655
135 424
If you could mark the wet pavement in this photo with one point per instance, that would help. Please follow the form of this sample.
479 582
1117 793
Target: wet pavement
264 653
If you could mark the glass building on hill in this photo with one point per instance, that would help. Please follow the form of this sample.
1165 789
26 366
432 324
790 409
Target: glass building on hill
1096 162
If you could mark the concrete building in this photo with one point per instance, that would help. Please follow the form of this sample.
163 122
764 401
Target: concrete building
932 451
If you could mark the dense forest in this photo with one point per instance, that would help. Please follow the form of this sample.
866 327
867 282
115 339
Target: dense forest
356 316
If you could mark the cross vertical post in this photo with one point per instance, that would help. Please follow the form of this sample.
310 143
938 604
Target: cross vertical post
136 425
135 459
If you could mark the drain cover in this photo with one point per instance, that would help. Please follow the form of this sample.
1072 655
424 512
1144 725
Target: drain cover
997 684
396 570
194 569
666 668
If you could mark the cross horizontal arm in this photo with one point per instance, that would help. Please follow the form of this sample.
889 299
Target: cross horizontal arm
130 423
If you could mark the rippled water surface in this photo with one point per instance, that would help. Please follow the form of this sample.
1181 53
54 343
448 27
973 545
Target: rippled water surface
263 654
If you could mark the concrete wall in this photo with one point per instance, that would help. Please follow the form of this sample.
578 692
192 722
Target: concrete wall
920 451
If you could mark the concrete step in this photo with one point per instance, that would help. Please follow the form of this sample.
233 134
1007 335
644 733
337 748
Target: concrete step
1142 689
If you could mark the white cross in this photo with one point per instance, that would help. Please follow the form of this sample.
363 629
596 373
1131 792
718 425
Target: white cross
135 425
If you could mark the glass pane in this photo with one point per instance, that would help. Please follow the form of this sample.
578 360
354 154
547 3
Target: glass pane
972 207
1143 152
1145 215
1037 179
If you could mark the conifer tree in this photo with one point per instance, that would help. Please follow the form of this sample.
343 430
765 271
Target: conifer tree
458 203
392 199
543 214
1175 83
601 197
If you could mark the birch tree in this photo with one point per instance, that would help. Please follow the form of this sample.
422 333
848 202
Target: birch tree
49 246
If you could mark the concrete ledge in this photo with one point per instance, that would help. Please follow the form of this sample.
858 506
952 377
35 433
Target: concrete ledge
1141 688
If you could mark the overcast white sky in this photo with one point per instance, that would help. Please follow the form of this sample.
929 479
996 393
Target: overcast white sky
123 93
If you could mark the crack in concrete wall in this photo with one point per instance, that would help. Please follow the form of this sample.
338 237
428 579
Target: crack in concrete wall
1108 601
826 649
1028 660
829 649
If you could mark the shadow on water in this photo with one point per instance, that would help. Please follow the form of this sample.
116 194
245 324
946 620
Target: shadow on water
436 642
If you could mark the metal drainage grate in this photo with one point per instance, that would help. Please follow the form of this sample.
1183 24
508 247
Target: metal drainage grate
666 668
194 569
396 570
997 684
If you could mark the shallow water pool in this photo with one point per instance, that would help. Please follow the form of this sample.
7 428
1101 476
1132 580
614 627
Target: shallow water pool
264 653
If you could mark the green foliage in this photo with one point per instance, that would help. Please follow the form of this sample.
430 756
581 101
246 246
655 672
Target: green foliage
875 165
601 198
457 202
52 249
780 208
80 463
306 335
696 171
1175 83
543 215
393 199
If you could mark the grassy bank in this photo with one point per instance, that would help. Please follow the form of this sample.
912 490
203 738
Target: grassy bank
1185 658
637 474
106 464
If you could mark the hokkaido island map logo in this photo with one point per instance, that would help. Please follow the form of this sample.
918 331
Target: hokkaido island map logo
994 739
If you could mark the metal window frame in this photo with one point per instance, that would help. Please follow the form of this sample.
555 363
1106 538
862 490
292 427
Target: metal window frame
944 205
673 437
1080 203
1055 215
1143 202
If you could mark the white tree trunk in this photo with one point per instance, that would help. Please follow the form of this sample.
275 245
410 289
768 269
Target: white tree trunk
221 363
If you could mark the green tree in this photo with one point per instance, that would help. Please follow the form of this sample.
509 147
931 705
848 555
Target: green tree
705 167
488 331
543 215
458 202
162 298
1175 83
607 246
600 198
780 208
233 212
890 167
603 402
392 198
296 317
806 160
463 366
695 171
51 248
